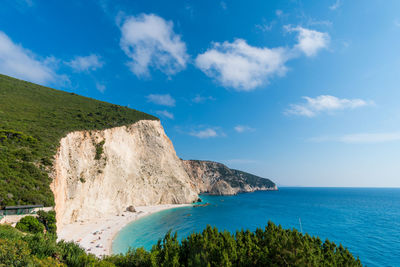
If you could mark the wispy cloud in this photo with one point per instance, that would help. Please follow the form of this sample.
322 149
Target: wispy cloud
335 5
265 27
150 41
21 63
85 63
324 103
101 87
163 100
206 133
370 137
202 131
243 128
360 138
244 67
309 41
165 113
190 9
202 99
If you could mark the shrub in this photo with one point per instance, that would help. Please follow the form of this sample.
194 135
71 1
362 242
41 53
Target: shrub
99 150
272 246
41 245
70 253
30 224
15 253
48 219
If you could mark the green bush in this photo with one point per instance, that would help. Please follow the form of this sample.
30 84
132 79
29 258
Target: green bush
15 253
30 224
273 246
42 246
99 150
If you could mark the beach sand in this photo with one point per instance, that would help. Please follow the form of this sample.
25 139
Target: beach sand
96 236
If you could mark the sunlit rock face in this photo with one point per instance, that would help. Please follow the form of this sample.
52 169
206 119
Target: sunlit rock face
217 179
97 173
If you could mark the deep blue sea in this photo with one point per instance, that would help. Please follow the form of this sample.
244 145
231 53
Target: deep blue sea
365 220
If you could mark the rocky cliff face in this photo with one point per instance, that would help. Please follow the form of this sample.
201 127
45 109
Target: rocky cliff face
217 179
98 173
104 172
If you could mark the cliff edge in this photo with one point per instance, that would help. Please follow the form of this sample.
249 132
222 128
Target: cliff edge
96 173
217 179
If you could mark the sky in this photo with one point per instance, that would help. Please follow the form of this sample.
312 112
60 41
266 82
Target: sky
305 93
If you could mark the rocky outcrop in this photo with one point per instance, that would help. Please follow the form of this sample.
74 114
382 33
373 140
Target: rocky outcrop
217 179
98 173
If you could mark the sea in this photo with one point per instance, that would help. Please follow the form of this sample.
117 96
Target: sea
365 220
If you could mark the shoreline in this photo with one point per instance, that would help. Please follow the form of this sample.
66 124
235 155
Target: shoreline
96 236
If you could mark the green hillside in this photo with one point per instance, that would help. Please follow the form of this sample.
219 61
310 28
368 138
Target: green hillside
33 119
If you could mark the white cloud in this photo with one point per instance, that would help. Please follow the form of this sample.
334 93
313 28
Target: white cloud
309 41
206 133
202 99
241 66
163 100
335 5
85 63
101 87
243 128
360 138
150 41
165 113
325 103
21 63
244 67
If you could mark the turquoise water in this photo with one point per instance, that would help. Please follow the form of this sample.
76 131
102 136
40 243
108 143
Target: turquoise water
367 221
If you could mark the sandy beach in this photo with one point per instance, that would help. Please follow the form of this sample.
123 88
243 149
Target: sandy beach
96 236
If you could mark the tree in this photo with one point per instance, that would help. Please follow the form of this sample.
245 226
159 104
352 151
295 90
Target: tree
30 224
48 219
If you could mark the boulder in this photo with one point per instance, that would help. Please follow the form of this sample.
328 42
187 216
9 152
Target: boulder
131 209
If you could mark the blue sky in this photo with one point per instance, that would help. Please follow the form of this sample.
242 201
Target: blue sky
303 92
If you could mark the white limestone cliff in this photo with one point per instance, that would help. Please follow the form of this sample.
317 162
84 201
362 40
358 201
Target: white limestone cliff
137 166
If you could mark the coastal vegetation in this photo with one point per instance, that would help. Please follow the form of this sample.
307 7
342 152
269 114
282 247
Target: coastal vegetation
33 120
271 246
